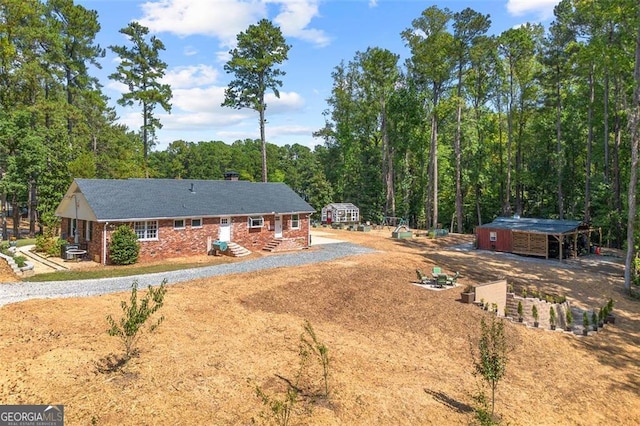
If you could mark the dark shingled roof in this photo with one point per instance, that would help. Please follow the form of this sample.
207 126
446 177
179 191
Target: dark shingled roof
525 224
121 199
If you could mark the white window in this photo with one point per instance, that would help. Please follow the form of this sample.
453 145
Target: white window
178 224
146 230
196 223
493 236
224 221
256 222
295 221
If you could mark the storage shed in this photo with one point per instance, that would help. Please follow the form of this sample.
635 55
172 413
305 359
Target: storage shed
535 237
343 213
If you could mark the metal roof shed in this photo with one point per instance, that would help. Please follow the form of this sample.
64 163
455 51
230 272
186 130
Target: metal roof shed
530 236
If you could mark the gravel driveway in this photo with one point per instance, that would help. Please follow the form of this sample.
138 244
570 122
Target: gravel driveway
17 292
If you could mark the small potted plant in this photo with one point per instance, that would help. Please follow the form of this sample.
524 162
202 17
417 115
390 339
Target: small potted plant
494 308
585 323
552 318
534 313
569 320
520 311
524 292
594 320
468 295
601 315
610 318
506 312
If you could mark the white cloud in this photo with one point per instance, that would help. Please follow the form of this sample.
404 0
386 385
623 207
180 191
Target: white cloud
224 19
190 51
290 130
116 86
287 103
190 76
199 100
223 56
234 135
220 18
201 120
294 18
542 8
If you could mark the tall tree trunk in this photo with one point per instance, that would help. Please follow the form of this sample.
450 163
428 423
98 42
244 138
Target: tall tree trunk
587 176
519 167
145 139
3 209
16 216
507 200
263 141
559 151
605 118
69 101
434 154
615 167
633 179
503 183
387 158
457 148
32 208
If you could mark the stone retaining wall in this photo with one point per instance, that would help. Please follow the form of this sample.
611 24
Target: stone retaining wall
25 271
543 311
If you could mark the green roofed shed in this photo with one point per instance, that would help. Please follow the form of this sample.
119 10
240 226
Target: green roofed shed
534 236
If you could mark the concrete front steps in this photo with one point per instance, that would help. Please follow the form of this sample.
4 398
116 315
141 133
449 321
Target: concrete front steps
272 245
236 250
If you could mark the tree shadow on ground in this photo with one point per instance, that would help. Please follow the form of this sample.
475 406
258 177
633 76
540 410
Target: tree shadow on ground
455 405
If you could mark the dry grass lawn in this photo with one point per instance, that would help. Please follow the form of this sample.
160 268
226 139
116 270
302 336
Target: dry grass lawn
399 353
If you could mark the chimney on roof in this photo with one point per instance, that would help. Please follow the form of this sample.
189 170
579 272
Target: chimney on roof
231 175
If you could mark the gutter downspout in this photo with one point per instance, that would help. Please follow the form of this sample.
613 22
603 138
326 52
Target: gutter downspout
104 244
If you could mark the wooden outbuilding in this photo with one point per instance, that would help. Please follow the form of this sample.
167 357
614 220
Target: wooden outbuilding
535 237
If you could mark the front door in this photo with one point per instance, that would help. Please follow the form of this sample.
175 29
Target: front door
278 226
224 234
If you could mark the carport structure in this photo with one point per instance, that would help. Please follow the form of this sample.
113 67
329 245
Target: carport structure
535 237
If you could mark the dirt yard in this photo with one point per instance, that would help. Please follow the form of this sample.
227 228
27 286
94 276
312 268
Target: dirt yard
399 353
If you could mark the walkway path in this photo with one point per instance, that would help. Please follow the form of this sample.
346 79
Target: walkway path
16 292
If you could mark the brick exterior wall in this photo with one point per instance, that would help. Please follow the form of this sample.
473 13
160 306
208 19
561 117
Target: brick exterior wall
193 241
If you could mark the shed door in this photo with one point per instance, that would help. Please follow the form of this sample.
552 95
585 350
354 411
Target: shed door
224 234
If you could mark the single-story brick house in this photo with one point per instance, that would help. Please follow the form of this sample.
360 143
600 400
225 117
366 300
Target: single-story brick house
176 217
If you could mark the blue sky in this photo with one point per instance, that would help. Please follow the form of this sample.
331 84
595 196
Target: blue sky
198 35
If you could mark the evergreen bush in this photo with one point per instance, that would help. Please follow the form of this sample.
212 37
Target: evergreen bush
124 248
